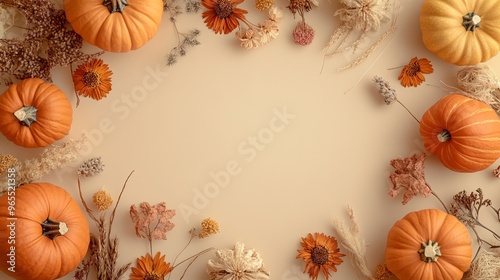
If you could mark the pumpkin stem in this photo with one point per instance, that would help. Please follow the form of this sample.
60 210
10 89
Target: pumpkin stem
53 229
115 5
430 251
471 21
444 136
26 115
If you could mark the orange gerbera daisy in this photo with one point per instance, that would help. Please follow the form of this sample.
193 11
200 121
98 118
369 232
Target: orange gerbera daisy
222 15
151 269
92 79
411 75
321 253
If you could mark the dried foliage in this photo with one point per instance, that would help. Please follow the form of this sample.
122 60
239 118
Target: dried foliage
103 246
184 40
51 158
409 175
46 43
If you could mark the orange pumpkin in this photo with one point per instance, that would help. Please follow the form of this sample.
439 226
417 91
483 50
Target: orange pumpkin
463 133
34 113
43 233
428 244
115 25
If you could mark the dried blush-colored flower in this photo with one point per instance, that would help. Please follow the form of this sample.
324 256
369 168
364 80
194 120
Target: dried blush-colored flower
149 268
102 199
385 90
320 253
412 73
152 221
92 79
223 16
303 34
269 32
237 264
275 14
6 161
91 167
208 227
249 38
261 5
409 175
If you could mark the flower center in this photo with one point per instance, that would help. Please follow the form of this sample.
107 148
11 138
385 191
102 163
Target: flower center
319 255
223 8
413 69
151 276
91 79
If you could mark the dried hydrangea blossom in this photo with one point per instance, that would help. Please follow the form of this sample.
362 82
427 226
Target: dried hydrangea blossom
408 175
47 43
152 221
303 34
237 264
91 167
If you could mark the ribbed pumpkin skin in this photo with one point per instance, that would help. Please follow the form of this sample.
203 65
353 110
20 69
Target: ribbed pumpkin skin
115 32
405 238
444 35
54 115
474 128
37 256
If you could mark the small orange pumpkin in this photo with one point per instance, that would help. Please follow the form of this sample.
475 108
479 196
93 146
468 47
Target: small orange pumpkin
115 25
34 113
463 133
43 233
428 244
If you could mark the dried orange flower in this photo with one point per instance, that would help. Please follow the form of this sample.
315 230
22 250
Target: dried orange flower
208 227
222 16
93 79
321 253
412 74
151 268
102 199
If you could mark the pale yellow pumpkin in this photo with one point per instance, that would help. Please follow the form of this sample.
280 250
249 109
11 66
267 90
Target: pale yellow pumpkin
462 32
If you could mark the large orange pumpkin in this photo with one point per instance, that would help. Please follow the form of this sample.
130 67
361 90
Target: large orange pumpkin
115 25
428 245
34 113
43 233
463 133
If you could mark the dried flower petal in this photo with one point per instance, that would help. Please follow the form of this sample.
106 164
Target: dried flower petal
412 74
237 264
102 199
409 175
91 167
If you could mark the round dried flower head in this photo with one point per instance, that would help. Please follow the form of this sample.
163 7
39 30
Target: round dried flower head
93 79
223 16
102 199
208 227
91 167
6 161
321 254
262 5
303 34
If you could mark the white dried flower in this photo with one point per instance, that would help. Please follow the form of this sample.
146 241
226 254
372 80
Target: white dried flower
275 14
249 38
237 264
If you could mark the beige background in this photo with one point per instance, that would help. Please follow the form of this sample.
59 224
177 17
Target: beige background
202 113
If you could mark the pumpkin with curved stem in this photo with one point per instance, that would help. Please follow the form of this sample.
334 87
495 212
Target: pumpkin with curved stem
428 244
115 25
463 133
34 113
462 32
44 235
